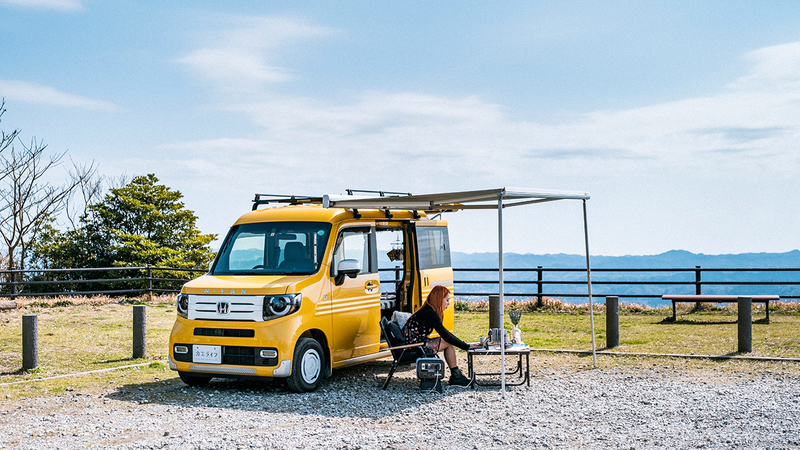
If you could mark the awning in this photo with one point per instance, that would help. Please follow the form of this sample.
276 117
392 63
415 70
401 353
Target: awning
452 201
498 198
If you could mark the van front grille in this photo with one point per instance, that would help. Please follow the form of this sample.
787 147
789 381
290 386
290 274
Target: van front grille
243 308
239 356
224 332
233 355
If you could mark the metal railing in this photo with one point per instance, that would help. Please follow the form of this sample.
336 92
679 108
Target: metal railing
648 284
644 283
539 282
74 282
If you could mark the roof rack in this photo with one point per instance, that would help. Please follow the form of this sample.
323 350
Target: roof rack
265 199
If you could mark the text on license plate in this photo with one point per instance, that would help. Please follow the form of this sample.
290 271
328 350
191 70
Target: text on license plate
209 354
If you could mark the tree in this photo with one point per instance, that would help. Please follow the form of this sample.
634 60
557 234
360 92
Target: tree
28 202
140 223
5 139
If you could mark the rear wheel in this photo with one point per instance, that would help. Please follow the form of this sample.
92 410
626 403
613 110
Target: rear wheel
307 366
193 379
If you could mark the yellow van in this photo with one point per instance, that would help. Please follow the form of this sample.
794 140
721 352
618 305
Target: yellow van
297 290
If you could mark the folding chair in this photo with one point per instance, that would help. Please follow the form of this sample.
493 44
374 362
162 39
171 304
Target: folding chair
402 353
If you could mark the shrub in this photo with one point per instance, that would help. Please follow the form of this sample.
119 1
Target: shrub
461 305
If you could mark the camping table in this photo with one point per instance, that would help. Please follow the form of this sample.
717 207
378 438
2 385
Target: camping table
520 351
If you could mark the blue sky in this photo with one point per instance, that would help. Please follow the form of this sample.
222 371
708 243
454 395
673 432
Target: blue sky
681 119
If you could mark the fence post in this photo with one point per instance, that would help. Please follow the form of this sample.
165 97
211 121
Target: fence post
612 321
539 286
149 283
745 324
12 278
495 317
139 331
698 290
30 342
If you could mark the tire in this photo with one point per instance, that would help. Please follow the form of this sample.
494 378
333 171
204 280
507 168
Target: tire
308 366
194 380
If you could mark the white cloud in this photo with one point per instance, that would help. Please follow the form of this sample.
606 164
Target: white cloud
679 170
774 67
24 91
238 58
65 5
234 66
743 120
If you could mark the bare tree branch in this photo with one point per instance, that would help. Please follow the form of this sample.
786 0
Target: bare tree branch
28 201
5 139
88 191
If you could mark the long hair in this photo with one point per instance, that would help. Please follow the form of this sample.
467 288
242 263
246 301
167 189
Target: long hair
436 299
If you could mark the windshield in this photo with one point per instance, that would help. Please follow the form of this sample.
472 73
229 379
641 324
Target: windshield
273 248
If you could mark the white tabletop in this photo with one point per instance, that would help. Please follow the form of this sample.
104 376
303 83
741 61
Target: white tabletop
514 348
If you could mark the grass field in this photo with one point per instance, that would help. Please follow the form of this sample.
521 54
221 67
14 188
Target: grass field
90 336
81 338
707 333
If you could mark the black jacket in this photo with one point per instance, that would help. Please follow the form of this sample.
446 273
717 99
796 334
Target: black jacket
423 322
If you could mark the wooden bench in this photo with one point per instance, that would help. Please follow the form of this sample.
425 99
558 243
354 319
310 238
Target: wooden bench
717 299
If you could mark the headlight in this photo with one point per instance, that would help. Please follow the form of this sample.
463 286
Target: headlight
280 305
182 304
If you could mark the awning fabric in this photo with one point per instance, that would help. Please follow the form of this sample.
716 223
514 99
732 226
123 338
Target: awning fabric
452 201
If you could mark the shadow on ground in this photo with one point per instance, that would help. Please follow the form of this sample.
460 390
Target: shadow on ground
350 392
669 321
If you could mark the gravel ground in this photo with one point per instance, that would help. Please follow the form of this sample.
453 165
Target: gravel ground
566 407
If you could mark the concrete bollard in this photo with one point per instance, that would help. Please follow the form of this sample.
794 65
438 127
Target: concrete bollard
612 321
745 324
139 331
30 341
495 314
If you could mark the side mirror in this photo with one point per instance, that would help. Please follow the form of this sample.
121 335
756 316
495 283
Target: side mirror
349 267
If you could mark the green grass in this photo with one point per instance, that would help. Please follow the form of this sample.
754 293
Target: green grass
708 333
82 338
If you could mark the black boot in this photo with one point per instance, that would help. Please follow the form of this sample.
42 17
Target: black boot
458 379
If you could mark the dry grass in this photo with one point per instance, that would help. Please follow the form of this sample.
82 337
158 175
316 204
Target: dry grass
90 333
66 300
554 305
86 334
548 304
707 333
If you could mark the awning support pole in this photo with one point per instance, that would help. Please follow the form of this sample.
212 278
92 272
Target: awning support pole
589 283
502 300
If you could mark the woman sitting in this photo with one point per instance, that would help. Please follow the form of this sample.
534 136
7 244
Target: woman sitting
428 318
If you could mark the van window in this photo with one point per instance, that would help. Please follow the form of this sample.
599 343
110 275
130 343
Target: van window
353 243
434 247
274 248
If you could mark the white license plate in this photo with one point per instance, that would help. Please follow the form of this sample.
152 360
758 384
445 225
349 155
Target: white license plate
209 354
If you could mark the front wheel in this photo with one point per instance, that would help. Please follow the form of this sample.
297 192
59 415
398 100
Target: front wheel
307 366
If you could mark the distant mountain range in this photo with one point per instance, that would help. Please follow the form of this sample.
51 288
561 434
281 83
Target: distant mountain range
674 259
670 259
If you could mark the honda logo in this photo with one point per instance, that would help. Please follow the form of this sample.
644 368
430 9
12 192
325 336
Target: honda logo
223 307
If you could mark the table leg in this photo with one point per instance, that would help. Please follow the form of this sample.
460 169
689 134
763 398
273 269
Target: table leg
527 368
470 371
